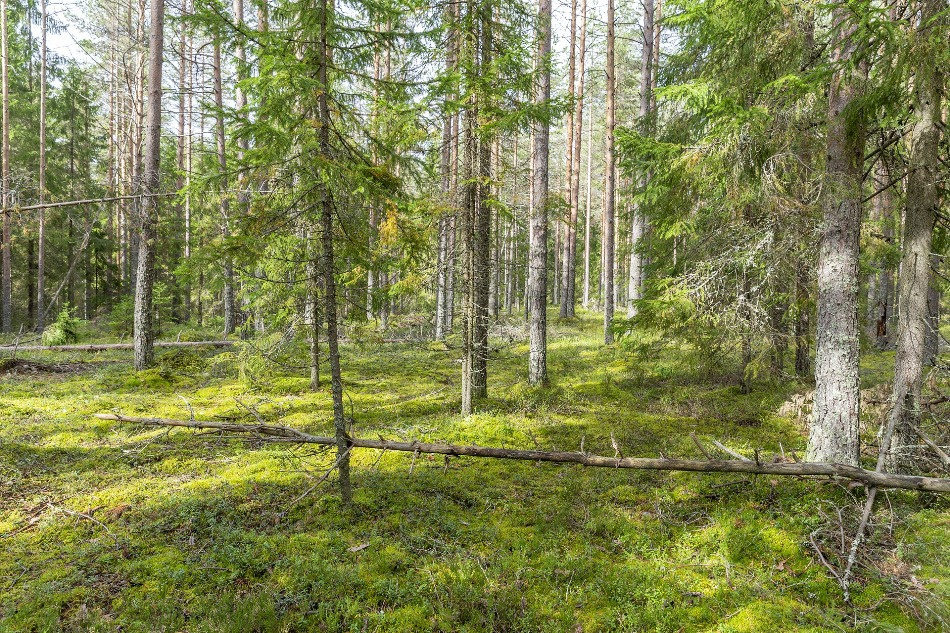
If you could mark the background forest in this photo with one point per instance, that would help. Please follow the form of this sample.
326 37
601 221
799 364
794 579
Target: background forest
701 229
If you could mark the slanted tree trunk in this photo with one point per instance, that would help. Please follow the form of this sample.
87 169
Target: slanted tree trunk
538 247
144 335
609 185
835 416
919 215
227 293
6 276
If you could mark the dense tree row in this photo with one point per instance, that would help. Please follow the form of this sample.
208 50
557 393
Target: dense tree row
769 178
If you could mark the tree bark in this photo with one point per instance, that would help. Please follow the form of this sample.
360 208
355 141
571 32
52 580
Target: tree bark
227 293
880 282
6 276
637 218
919 214
609 185
144 335
745 465
341 437
538 251
41 216
835 416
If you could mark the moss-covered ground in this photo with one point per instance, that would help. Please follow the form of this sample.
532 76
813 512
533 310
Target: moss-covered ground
107 526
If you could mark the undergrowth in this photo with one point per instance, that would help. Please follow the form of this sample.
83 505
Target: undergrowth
108 527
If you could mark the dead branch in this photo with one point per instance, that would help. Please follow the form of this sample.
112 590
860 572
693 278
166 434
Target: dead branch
289 435
103 347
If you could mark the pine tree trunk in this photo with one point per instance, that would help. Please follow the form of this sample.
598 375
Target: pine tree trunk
538 251
921 200
144 335
609 186
835 415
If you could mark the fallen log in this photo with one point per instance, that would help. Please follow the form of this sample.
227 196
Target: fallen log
287 434
103 347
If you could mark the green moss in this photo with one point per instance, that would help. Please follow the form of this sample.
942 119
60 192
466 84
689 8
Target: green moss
196 532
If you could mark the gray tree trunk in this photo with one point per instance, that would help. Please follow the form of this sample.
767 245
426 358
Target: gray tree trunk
144 334
638 220
835 415
919 214
880 282
538 246
227 293
41 239
6 277
608 264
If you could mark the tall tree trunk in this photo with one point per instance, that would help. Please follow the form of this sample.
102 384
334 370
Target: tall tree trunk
919 215
329 271
483 224
587 196
638 220
144 335
610 184
442 269
563 249
835 415
41 216
6 277
538 250
227 294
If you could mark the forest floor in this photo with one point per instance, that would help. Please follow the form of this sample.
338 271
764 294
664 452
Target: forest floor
107 526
